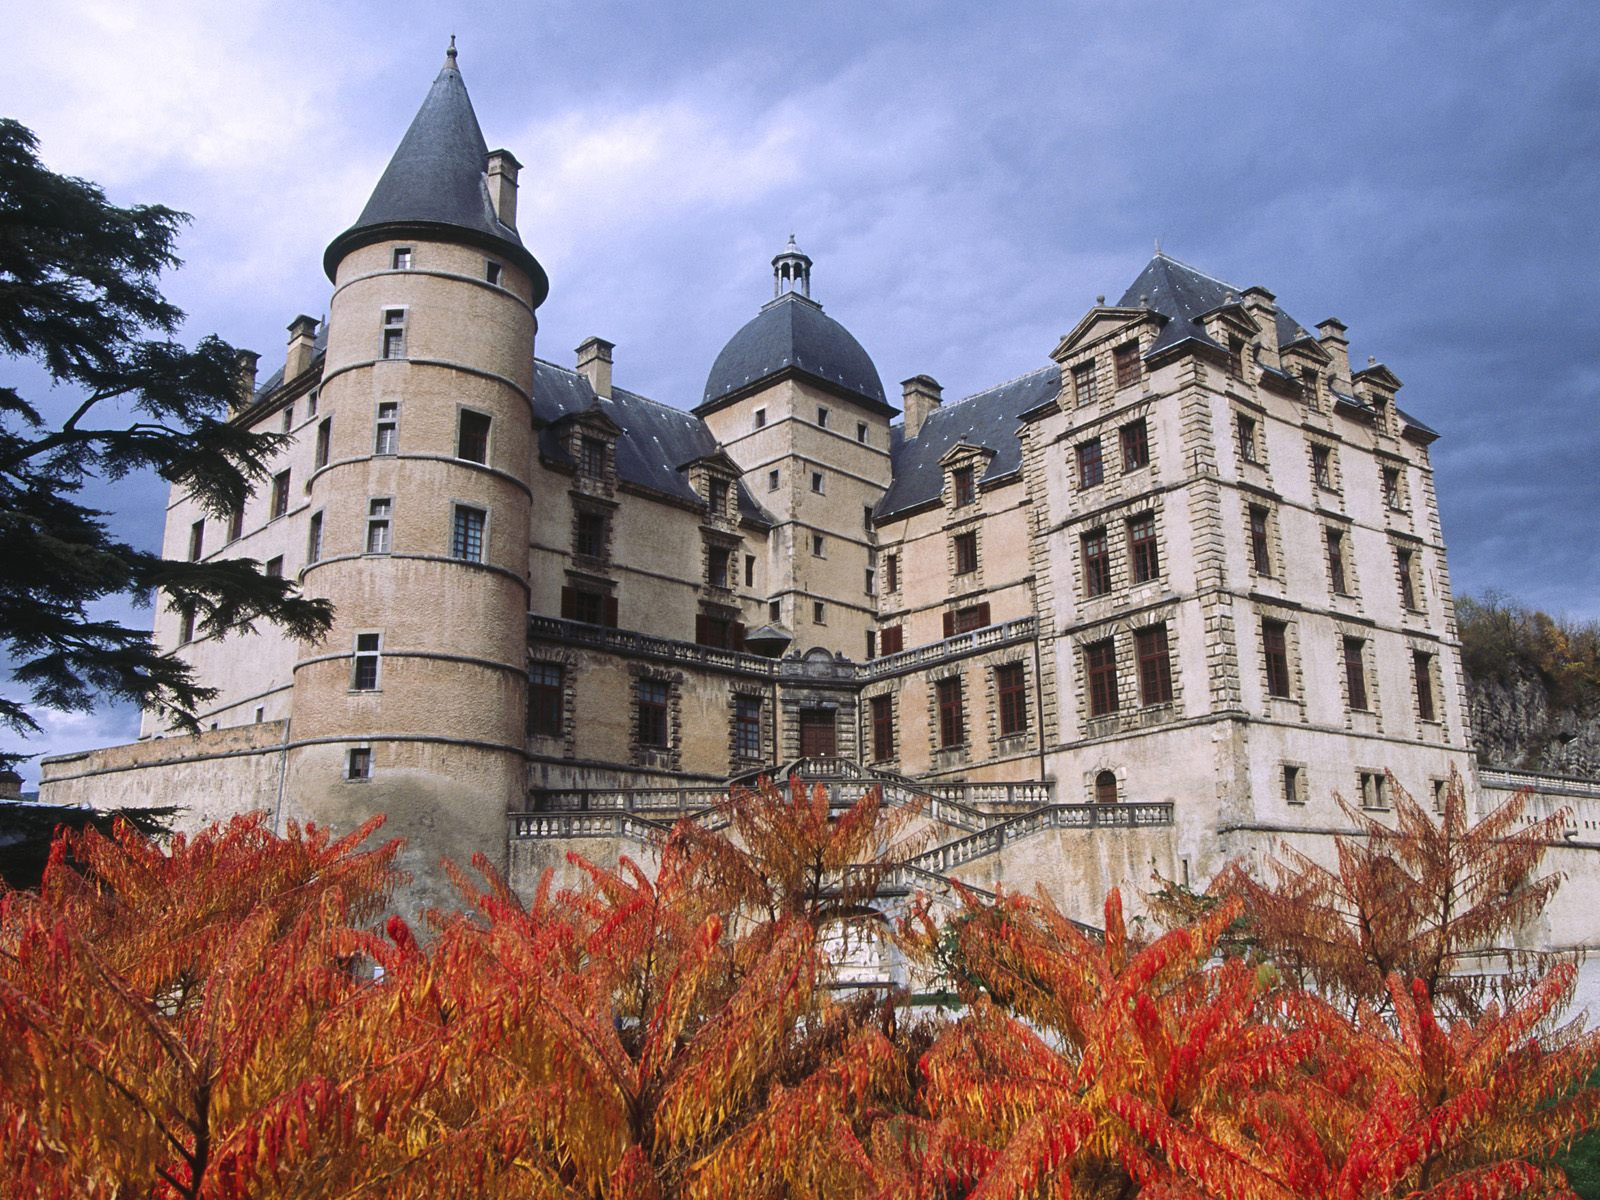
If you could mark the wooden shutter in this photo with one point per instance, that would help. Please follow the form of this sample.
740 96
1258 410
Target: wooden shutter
949 624
611 611
569 604
736 642
983 614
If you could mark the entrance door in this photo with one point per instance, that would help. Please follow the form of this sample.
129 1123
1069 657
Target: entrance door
817 738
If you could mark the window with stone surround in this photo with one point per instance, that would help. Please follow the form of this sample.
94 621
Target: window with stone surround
386 430
1235 357
380 511
718 559
364 666
1410 575
1275 647
1096 563
1135 439
1373 788
358 764
467 532
747 726
952 725
891 572
472 436
1155 666
962 487
1248 431
965 620
546 700
1260 546
965 546
717 493
1105 787
1422 674
592 457
589 539
1324 467
1355 673
650 699
1083 383
1144 555
1100 670
1125 358
394 333
892 639
1294 783
1011 696
882 728
1338 564
1391 478
1091 465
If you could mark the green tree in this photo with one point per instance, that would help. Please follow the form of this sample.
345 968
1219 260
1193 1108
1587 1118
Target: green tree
80 295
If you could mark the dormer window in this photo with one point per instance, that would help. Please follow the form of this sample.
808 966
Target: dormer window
592 457
1236 357
1308 386
717 496
962 485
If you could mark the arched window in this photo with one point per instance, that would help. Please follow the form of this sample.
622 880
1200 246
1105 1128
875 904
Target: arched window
1105 787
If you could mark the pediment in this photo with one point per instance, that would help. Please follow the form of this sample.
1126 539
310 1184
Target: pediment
1100 322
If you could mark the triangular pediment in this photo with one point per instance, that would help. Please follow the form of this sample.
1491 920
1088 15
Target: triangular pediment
1100 322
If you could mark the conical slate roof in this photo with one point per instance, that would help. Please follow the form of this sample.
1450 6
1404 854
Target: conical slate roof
435 185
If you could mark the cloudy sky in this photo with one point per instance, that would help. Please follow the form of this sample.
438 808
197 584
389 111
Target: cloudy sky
967 177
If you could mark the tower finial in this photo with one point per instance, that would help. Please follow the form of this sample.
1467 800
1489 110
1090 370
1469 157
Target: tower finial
791 271
450 54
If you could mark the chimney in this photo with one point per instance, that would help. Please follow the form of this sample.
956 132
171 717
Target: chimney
302 346
502 170
1259 303
10 785
920 395
594 364
1333 340
246 393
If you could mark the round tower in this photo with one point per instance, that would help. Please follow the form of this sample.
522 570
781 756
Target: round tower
419 505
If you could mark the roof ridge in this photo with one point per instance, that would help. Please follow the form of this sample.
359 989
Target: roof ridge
995 387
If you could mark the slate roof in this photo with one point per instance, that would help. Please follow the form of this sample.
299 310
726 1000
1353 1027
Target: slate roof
437 178
793 333
989 418
655 443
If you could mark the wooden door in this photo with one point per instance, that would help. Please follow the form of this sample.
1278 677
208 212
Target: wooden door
817 735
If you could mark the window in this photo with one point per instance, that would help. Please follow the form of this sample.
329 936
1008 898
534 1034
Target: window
822 417
772 479
358 763
491 272
819 546
747 726
749 570
1126 359
1011 693
1337 580
378 515
394 333
1355 674
185 626
966 552
311 403
197 540
592 457
872 644
1091 467
952 731
314 539
1083 388
546 703
1322 466
402 258
1391 488
882 728
819 613
472 436
364 672
650 707
324 441
1308 385
866 516
717 560
1275 646
1100 665
861 432
591 535
275 567
892 639
1294 784
1406 565
1096 563
816 482
1236 357
1135 445
1247 438
1143 553
1155 667
720 632
717 496
761 418
1260 552
589 607
774 610
236 523
891 572
961 485
386 434
1105 787
280 494
466 536
1374 788
965 620
1422 672
870 584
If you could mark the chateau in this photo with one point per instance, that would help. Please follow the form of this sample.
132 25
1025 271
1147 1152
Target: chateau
1147 606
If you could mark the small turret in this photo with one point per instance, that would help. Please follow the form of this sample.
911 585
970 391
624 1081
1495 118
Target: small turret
791 270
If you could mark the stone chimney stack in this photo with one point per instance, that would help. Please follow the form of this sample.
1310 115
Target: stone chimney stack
302 347
1259 303
594 364
1333 340
247 379
920 395
10 785
502 169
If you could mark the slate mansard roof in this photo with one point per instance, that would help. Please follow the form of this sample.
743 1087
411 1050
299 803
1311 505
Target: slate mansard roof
793 334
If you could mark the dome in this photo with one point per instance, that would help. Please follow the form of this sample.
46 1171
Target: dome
793 334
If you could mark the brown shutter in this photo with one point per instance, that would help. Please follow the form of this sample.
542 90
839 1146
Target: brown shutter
983 614
569 604
701 632
611 611
737 642
949 624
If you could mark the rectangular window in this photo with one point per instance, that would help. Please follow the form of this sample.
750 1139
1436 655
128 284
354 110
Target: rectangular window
747 726
1308 385
861 432
491 272
314 539
822 417
1337 579
882 728
394 333
1260 551
1322 466
772 479
961 485
280 494
1083 383
651 707
965 620
288 417
1143 554
1294 783
1247 438
1100 665
386 434
1406 563
870 585
589 607
197 540
546 702
324 441
1126 358
1236 357
311 404
1091 467
819 613
378 515
819 546
952 731
186 626
717 496
966 552
1355 674
717 560
592 457
761 418
364 673
236 523
1135 436
1155 667
1422 672
1275 646
275 567
892 639
466 536
816 482
872 644
472 436
1011 693
749 570
1391 488
774 610
1096 563
891 572
402 258
719 632
866 516
591 535
1374 788
358 763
